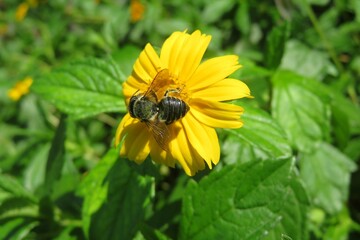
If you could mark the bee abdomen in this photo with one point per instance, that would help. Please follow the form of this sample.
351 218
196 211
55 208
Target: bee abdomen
172 109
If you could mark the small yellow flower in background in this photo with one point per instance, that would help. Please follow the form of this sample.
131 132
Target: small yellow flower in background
23 8
21 88
21 11
136 10
195 93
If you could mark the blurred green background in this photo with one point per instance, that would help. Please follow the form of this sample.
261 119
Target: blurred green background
301 60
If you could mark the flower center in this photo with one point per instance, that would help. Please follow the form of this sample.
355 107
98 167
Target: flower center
168 85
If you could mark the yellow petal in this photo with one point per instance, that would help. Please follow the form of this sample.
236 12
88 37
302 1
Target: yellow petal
190 55
212 71
131 86
125 121
224 90
147 65
158 155
215 147
183 152
183 52
21 11
216 114
14 95
197 161
136 143
170 48
145 69
198 135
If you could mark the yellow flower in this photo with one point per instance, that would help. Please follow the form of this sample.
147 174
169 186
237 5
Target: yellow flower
21 11
23 8
21 88
204 87
136 10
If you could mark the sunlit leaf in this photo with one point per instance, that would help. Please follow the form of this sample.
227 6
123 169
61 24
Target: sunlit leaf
294 214
84 88
326 173
261 136
301 109
16 228
306 61
215 10
238 202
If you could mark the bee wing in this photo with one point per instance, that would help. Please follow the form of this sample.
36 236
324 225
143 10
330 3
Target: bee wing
161 80
161 134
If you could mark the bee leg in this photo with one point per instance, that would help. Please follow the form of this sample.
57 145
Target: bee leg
172 90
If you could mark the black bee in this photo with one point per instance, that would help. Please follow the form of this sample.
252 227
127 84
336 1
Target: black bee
158 114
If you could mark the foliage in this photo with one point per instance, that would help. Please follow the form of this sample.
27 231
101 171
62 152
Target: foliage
290 173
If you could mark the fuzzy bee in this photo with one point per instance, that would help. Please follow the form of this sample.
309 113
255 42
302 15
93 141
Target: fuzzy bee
155 113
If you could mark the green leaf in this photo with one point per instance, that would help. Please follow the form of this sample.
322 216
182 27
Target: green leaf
17 205
352 149
306 61
301 109
12 187
341 128
294 212
346 108
152 233
342 226
168 25
256 78
250 71
55 160
356 7
276 45
242 19
122 194
94 182
84 88
16 228
261 135
125 58
67 234
318 2
215 10
34 174
117 26
326 173
15 200
238 202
